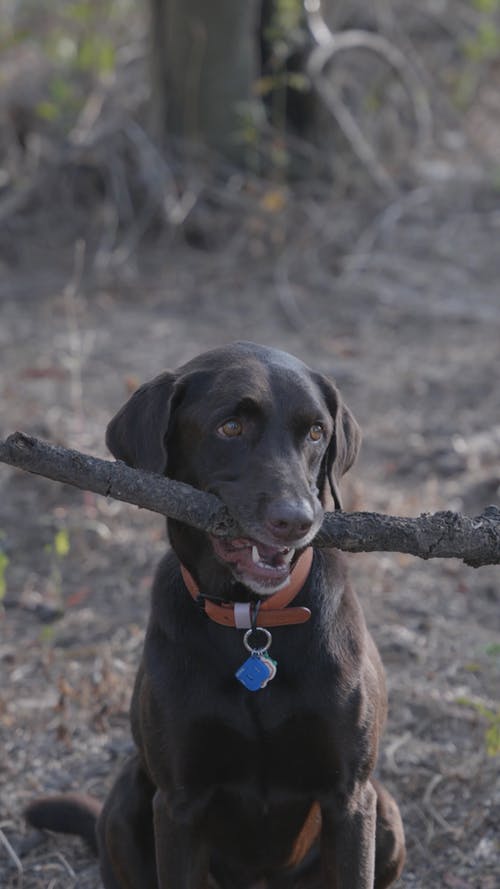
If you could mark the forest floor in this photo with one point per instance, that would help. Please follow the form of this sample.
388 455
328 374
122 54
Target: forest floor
402 309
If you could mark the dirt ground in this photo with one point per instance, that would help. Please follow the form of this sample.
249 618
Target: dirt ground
399 302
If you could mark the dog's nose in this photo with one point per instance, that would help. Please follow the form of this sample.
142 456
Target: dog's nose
289 520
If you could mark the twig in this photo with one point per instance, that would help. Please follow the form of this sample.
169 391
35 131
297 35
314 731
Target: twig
391 750
354 135
76 347
329 45
379 45
440 819
441 535
14 858
66 865
385 221
17 200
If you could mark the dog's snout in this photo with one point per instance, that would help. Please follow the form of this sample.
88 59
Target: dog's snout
289 520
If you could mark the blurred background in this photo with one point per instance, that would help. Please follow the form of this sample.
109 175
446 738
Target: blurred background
324 178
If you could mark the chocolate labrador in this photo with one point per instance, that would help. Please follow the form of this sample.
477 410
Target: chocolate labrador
260 699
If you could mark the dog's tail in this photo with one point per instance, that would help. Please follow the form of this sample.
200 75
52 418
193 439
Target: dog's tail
74 813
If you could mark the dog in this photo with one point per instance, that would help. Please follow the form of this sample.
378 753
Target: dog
260 698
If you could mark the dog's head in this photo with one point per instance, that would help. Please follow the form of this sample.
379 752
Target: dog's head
256 427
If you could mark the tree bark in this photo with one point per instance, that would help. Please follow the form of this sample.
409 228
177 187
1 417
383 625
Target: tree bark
204 66
440 535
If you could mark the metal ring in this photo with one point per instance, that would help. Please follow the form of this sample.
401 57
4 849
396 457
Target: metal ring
261 649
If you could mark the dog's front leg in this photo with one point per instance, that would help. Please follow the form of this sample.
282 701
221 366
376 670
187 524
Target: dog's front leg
348 841
181 858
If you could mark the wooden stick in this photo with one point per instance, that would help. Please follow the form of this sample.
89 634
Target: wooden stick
440 535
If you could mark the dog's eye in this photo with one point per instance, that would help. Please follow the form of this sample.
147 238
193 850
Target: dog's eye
230 429
316 432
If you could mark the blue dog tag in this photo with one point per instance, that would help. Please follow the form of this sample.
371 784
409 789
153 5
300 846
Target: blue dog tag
255 673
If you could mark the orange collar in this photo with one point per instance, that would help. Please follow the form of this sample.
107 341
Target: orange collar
273 611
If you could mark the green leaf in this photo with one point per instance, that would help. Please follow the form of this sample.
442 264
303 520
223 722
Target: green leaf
47 110
492 736
47 634
80 12
61 543
487 6
4 561
61 90
485 45
97 54
492 733
493 650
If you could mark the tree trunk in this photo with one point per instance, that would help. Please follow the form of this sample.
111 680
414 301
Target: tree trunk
204 66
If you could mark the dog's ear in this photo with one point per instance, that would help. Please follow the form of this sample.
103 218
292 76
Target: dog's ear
344 444
137 433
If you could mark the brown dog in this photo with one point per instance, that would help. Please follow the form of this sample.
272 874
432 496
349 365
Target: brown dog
254 764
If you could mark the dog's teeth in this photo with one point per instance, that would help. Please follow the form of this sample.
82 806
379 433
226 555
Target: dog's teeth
255 555
289 556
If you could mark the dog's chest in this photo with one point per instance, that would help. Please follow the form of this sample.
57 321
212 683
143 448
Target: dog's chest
271 748
293 739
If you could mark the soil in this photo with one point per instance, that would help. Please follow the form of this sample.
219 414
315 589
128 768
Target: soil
399 303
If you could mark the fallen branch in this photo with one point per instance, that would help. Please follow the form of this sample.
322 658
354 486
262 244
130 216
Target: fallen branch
328 46
441 535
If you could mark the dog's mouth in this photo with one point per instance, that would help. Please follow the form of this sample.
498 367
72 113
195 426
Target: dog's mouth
263 567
